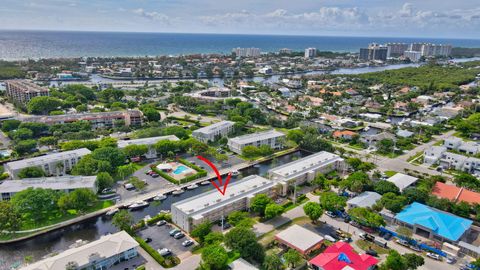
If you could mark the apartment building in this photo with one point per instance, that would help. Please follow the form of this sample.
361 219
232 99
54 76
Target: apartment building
214 132
450 160
212 205
105 253
98 120
272 138
66 184
22 91
149 142
306 169
455 143
374 52
310 53
52 164
247 52
396 49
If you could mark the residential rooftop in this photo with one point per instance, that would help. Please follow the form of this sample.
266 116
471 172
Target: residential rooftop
212 199
455 194
79 116
41 160
146 141
441 223
366 199
402 181
300 166
214 127
258 136
55 183
107 246
299 237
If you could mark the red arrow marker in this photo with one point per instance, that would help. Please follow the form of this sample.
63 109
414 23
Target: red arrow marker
219 177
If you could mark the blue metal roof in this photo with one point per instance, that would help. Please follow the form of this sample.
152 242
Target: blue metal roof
441 223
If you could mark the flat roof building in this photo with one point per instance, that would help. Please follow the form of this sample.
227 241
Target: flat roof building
271 138
307 168
97 120
212 206
103 253
241 264
22 91
52 164
214 132
8 188
299 238
150 142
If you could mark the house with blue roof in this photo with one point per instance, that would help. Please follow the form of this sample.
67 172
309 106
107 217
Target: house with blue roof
432 223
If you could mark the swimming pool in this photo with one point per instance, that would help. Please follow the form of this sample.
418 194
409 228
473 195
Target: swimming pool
180 169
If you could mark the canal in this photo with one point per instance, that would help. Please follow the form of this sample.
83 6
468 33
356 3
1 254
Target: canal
58 240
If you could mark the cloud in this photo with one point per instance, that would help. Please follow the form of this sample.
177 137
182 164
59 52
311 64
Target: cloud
153 15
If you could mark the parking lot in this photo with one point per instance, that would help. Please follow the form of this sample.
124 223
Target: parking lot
161 239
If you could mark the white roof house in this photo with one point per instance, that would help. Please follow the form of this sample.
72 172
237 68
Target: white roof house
41 160
146 141
366 199
299 238
402 181
106 247
241 264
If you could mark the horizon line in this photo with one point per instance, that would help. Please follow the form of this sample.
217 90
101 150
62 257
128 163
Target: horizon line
232 34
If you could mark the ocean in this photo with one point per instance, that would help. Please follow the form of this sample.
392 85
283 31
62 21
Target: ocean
15 45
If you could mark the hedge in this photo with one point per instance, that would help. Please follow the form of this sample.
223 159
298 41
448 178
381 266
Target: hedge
155 255
200 173
161 216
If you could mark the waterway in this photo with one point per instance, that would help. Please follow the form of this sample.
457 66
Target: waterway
92 229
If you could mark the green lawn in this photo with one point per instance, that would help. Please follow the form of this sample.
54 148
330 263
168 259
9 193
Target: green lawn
365 245
390 173
57 216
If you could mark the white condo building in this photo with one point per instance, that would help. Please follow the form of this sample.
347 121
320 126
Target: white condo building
272 138
214 132
67 184
51 164
149 142
104 253
212 205
310 53
306 169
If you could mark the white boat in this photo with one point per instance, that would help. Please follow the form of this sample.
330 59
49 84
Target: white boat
366 128
178 191
235 173
164 211
112 212
138 205
159 197
205 183
193 186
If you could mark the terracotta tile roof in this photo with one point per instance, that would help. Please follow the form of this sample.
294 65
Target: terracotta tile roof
455 193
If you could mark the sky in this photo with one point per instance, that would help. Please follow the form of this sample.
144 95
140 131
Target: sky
386 18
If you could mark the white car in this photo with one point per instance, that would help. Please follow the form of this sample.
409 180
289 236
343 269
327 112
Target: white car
161 223
164 251
434 256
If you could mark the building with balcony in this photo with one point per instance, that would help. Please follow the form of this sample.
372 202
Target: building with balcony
22 91
214 132
212 205
52 164
272 138
66 184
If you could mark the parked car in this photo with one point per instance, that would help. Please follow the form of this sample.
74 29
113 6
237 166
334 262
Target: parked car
226 225
330 214
415 248
354 223
187 243
402 242
330 238
371 252
451 260
154 175
173 232
367 237
179 235
161 223
149 172
148 240
387 236
164 252
434 256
